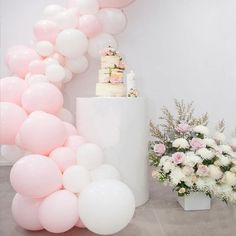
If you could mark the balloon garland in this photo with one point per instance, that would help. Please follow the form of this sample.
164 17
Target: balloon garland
57 180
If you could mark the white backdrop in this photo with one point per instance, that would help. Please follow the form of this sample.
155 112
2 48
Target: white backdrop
178 49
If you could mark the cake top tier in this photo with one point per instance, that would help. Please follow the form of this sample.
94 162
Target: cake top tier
109 51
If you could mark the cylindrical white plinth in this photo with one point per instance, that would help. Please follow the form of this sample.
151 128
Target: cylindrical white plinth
119 126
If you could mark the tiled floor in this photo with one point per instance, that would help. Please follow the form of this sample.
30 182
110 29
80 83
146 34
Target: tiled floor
161 216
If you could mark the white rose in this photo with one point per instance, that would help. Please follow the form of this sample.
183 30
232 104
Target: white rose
180 143
224 160
163 160
219 137
187 170
226 149
215 172
233 169
205 153
176 175
192 159
167 166
201 129
188 181
229 178
210 142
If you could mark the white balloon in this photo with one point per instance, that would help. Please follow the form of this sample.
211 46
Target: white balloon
66 19
76 178
106 206
90 155
87 6
65 115
55 73
44 48
51 11
37 78
105 171
11 153
78 65
99 42
72 43
68 76
49 61
113 20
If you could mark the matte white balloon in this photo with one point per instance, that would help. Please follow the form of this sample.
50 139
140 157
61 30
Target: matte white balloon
87 6
78 65
90 155
38 78
55 73
11 153
66 19
99 42
113 20
49 61
44 48
106 206
105 171
65 115
76 178
51 11
68 76
72 43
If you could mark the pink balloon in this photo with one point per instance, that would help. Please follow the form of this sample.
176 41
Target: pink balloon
11 51
42 96
35 176
89 25
42 132
11 89
59 211
114 3
25 211
64 157
74 142
70 129
11 118
46 30
37 67
59 58
19 60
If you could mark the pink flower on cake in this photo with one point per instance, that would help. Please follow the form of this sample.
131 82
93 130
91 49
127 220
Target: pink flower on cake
197 143
159 148
115 80
178 157
202 170
182 128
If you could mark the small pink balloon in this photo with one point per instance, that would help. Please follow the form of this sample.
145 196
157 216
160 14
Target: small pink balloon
11 118
89 25
70 129
45 30
11 89
59 58
64 157
42 132
19 60
58 212
114 3
25 211
42 96
37 67
74 142
35 176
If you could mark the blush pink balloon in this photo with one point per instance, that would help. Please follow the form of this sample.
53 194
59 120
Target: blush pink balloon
11 89
46 30
59 58
70 129
11 118
58 212
25 211
74 142
37 67
64 157
35 176
11 51
42 132
89 25
114 3
42 96
19 60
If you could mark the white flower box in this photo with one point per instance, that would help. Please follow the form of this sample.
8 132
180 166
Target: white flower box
195 201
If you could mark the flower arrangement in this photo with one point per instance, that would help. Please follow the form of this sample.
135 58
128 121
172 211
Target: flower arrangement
188 159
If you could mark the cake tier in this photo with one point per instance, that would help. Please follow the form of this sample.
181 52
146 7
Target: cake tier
110 90
110 61
111 75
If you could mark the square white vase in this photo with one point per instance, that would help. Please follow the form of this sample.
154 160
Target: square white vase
195 201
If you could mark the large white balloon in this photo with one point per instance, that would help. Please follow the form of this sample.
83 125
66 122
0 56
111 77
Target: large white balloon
86 6
113 20
106 206
49 61
76 178
78 65
44 48
55 73
11 153
99 42
37 78
65 115
90 155
105 171
72 43
51 11
66 19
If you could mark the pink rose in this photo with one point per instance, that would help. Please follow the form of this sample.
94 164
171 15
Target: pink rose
115 80
159 148
202 170
197 143
182 128
178 157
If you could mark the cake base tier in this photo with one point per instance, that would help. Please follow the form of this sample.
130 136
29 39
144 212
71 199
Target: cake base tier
110 90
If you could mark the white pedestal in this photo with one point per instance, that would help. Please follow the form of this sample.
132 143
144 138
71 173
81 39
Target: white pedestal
195 201
119 126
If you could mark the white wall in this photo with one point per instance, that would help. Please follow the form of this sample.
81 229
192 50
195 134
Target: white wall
178 49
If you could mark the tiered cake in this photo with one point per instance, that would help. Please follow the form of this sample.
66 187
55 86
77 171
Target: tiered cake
111 75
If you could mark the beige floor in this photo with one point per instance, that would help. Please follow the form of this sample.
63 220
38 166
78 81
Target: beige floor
160 216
